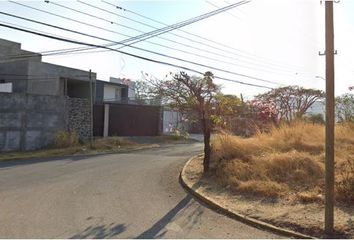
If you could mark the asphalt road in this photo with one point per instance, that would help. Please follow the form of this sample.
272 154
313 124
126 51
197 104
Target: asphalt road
134 195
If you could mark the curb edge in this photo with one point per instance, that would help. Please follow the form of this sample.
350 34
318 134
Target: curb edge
234 215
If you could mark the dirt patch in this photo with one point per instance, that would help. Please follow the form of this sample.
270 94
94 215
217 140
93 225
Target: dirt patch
305 218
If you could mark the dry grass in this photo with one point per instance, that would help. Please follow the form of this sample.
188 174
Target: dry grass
65 139
289 159
111 143
61 148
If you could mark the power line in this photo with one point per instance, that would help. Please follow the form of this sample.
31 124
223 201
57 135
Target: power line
105 29
173 41
183 37
240 53
223 50
69 51
193 47
145 50
130 54
212 4
167 28
116 43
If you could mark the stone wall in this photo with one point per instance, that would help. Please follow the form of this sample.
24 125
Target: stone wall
79 117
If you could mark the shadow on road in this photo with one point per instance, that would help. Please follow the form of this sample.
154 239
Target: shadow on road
158 226
190 216
101 231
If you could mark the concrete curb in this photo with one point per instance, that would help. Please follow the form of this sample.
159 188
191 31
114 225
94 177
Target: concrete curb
242 218
80 154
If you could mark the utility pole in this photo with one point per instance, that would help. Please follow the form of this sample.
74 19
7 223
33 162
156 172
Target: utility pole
91 111
329 162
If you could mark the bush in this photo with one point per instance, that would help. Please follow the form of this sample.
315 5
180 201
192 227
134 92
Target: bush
345 181
315 118
64 139
178 134
294 168
263 188
291 156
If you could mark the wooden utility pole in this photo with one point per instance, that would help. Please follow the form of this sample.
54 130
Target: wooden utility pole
91 111
329 162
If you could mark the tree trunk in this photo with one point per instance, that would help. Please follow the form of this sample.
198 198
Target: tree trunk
207 150
206 127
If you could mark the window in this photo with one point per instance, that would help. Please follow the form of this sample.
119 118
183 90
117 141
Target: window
118 94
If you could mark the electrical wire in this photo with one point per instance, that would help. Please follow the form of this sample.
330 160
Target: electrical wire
132 38
130 54
69 51
153 52
229 49
167 28
183 37
192 40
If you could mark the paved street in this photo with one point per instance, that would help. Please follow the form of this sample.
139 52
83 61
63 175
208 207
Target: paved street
134 195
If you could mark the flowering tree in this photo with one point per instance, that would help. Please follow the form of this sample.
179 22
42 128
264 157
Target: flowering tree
265 112
191 94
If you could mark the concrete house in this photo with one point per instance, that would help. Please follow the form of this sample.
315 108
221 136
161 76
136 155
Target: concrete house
39 99
117 90
26 73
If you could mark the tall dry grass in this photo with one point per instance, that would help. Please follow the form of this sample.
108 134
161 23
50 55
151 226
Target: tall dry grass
65 139
288 159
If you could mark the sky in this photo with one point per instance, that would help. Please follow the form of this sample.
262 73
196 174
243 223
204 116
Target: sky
275 41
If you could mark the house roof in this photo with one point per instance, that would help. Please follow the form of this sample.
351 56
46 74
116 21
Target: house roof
112 83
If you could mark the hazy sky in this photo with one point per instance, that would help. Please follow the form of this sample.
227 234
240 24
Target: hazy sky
275 40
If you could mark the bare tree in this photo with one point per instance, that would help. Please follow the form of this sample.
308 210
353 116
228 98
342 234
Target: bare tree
191 94
292 101
345 107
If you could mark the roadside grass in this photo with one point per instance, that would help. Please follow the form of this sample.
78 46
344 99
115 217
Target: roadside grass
69 146
67 143
288 159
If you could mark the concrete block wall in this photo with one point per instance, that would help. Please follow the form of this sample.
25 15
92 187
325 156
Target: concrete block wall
29 122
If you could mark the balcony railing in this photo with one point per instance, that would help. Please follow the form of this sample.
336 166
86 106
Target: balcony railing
133 101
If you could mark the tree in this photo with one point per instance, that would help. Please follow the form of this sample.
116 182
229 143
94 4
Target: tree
315 118
345 107
191 94
292 101
264 112
225 109
142 90
144 93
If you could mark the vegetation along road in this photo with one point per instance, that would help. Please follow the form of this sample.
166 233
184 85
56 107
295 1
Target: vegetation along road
134 195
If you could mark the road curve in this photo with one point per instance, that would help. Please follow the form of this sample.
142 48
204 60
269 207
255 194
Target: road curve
133 195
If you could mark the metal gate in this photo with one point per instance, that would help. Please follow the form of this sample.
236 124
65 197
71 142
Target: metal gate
128 120
134 120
